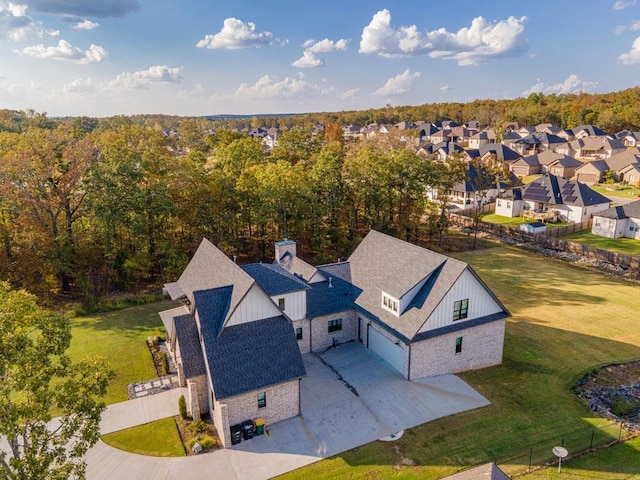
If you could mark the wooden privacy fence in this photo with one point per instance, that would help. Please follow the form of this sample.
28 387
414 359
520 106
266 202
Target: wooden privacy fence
549 239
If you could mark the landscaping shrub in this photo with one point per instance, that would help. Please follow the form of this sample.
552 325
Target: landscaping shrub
198 426
165 363
182 407
207 442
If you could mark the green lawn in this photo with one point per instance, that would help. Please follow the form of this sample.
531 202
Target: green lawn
565 322
628 246
617 190
515 222
158 439
619 462
120 337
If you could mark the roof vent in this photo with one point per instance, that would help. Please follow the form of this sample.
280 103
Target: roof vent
330 284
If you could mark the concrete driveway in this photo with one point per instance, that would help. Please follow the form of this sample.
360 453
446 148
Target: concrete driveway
349 398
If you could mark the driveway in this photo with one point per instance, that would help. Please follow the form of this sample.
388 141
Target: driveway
349 398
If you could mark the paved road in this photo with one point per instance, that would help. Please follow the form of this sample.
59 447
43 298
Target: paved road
334 420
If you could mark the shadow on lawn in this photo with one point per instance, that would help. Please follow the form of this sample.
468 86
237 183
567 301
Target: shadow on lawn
533 409
140 318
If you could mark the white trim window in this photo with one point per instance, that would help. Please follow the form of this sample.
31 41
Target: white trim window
390 303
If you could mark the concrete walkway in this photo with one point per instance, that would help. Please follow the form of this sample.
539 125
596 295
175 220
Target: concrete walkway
334 419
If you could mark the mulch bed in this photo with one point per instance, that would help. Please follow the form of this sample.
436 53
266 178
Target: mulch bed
186 434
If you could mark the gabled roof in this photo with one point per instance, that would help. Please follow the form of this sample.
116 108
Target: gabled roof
384 263
566 162
274 279
167 318
623 159
529 160
598 165
339 269
252 356
190 348
501 152
630 210
472 182
554 190
590 130
210 268
212 306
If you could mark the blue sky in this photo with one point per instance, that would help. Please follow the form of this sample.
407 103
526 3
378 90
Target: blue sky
200 57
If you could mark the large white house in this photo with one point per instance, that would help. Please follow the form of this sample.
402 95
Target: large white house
618 222
239 337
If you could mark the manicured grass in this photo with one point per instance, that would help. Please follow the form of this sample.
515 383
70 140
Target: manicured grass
530 178
628 246
120 337
617 190
515 222
565 322
621 461
157 439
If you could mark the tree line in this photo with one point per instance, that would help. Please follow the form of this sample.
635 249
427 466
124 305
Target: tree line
116 206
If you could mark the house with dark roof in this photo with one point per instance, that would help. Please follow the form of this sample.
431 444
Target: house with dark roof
551 196
593 172
239 337
617 222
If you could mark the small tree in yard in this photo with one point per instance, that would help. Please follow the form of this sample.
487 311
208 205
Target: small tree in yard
36 377
182 407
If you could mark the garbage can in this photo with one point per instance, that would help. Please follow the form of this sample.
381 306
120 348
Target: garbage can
236 433
259 422
248 428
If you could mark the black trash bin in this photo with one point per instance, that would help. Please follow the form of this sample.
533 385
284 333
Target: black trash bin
249 428
236 434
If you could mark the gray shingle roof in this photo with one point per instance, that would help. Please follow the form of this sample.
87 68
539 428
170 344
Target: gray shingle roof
296 266
189 343
339 269
174 290
274 279
252 356
325 300
384 263
501 152
555 190
210 268
630 210
167 318
212 306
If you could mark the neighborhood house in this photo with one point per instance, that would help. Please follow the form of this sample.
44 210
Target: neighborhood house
239 337
617 222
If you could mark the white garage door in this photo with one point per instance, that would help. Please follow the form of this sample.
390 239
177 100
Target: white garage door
386 349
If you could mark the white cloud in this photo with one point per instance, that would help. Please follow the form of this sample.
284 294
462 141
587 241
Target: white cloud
65 51
196 92
326 45
236 34
571 84
86 25
619 29
622 4
634 26
349 94
398 85
15 24
633 56
79 85
308 60
445 88
269 87
472 45
143 79
84 8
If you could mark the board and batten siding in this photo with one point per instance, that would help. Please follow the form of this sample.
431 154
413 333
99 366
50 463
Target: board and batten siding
481 303
295 304
256 305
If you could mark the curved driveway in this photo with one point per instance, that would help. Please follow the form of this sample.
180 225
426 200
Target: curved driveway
370 401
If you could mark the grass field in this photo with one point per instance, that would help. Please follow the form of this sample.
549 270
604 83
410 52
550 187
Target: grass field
566 321
619 462
120 337
616 190
628 246
158 439
515 222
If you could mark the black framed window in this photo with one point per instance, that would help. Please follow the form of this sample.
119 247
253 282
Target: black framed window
459 345
334 325
299 333
262 400
460 309
281 303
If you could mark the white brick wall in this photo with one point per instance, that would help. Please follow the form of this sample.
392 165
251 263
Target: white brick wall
321 338
481 347
283 401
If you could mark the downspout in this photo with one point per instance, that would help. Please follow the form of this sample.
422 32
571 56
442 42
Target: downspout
409 366
310 337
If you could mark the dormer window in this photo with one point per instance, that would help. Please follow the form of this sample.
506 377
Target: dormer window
390 303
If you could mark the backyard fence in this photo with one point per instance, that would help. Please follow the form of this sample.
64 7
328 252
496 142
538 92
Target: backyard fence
577 443
549 239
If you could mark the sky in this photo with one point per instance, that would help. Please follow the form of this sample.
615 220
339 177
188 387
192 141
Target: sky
204 57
